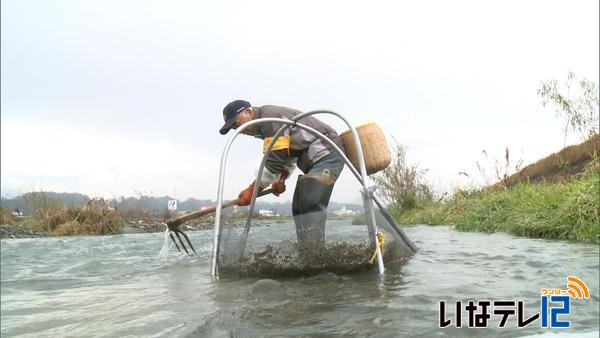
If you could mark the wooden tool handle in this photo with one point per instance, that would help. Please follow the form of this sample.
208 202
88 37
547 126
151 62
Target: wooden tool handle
173 223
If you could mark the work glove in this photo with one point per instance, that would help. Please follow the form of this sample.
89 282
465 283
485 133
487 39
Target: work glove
279 186
245 197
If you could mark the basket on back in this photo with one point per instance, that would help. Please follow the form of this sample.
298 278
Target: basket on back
374 146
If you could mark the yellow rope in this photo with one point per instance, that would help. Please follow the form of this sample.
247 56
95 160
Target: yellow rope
381 239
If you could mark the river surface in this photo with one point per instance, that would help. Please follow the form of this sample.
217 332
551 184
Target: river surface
119 286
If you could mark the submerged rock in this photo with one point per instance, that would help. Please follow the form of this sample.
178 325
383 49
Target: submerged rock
328 276
267 286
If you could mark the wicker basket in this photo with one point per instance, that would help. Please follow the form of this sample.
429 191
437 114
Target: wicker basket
374 146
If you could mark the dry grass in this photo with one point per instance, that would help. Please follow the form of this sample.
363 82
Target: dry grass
6 216
90 223
95 218
558 166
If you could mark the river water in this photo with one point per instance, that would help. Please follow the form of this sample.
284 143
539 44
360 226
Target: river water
119 286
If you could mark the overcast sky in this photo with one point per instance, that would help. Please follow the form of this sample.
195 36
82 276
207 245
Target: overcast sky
112 98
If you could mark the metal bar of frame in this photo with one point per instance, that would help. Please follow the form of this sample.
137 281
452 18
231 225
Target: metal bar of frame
385 214
219 209
368 196
366 193
358 175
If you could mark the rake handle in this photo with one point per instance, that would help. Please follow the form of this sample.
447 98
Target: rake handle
173 223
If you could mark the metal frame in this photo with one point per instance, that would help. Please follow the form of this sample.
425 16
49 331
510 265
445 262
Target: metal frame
367 192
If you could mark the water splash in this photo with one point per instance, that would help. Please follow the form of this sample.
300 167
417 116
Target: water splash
166 247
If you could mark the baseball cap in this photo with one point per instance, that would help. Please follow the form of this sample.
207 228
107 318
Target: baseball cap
231 110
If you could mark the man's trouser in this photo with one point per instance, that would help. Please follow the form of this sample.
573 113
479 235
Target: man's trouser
311 197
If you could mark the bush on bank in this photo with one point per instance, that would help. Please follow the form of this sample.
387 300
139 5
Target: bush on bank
83 221
69 221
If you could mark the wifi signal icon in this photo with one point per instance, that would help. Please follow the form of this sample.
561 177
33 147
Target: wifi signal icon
577 288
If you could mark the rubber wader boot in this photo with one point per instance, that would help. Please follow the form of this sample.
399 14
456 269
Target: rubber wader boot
309 207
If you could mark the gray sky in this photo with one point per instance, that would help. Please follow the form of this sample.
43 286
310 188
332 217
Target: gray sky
125 97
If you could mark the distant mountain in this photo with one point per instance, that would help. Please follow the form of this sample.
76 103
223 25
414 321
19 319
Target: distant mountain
152 204
25 201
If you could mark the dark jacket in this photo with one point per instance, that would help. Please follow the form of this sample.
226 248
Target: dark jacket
306 148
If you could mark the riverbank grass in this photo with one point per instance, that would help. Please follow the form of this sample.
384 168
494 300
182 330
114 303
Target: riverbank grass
565 210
